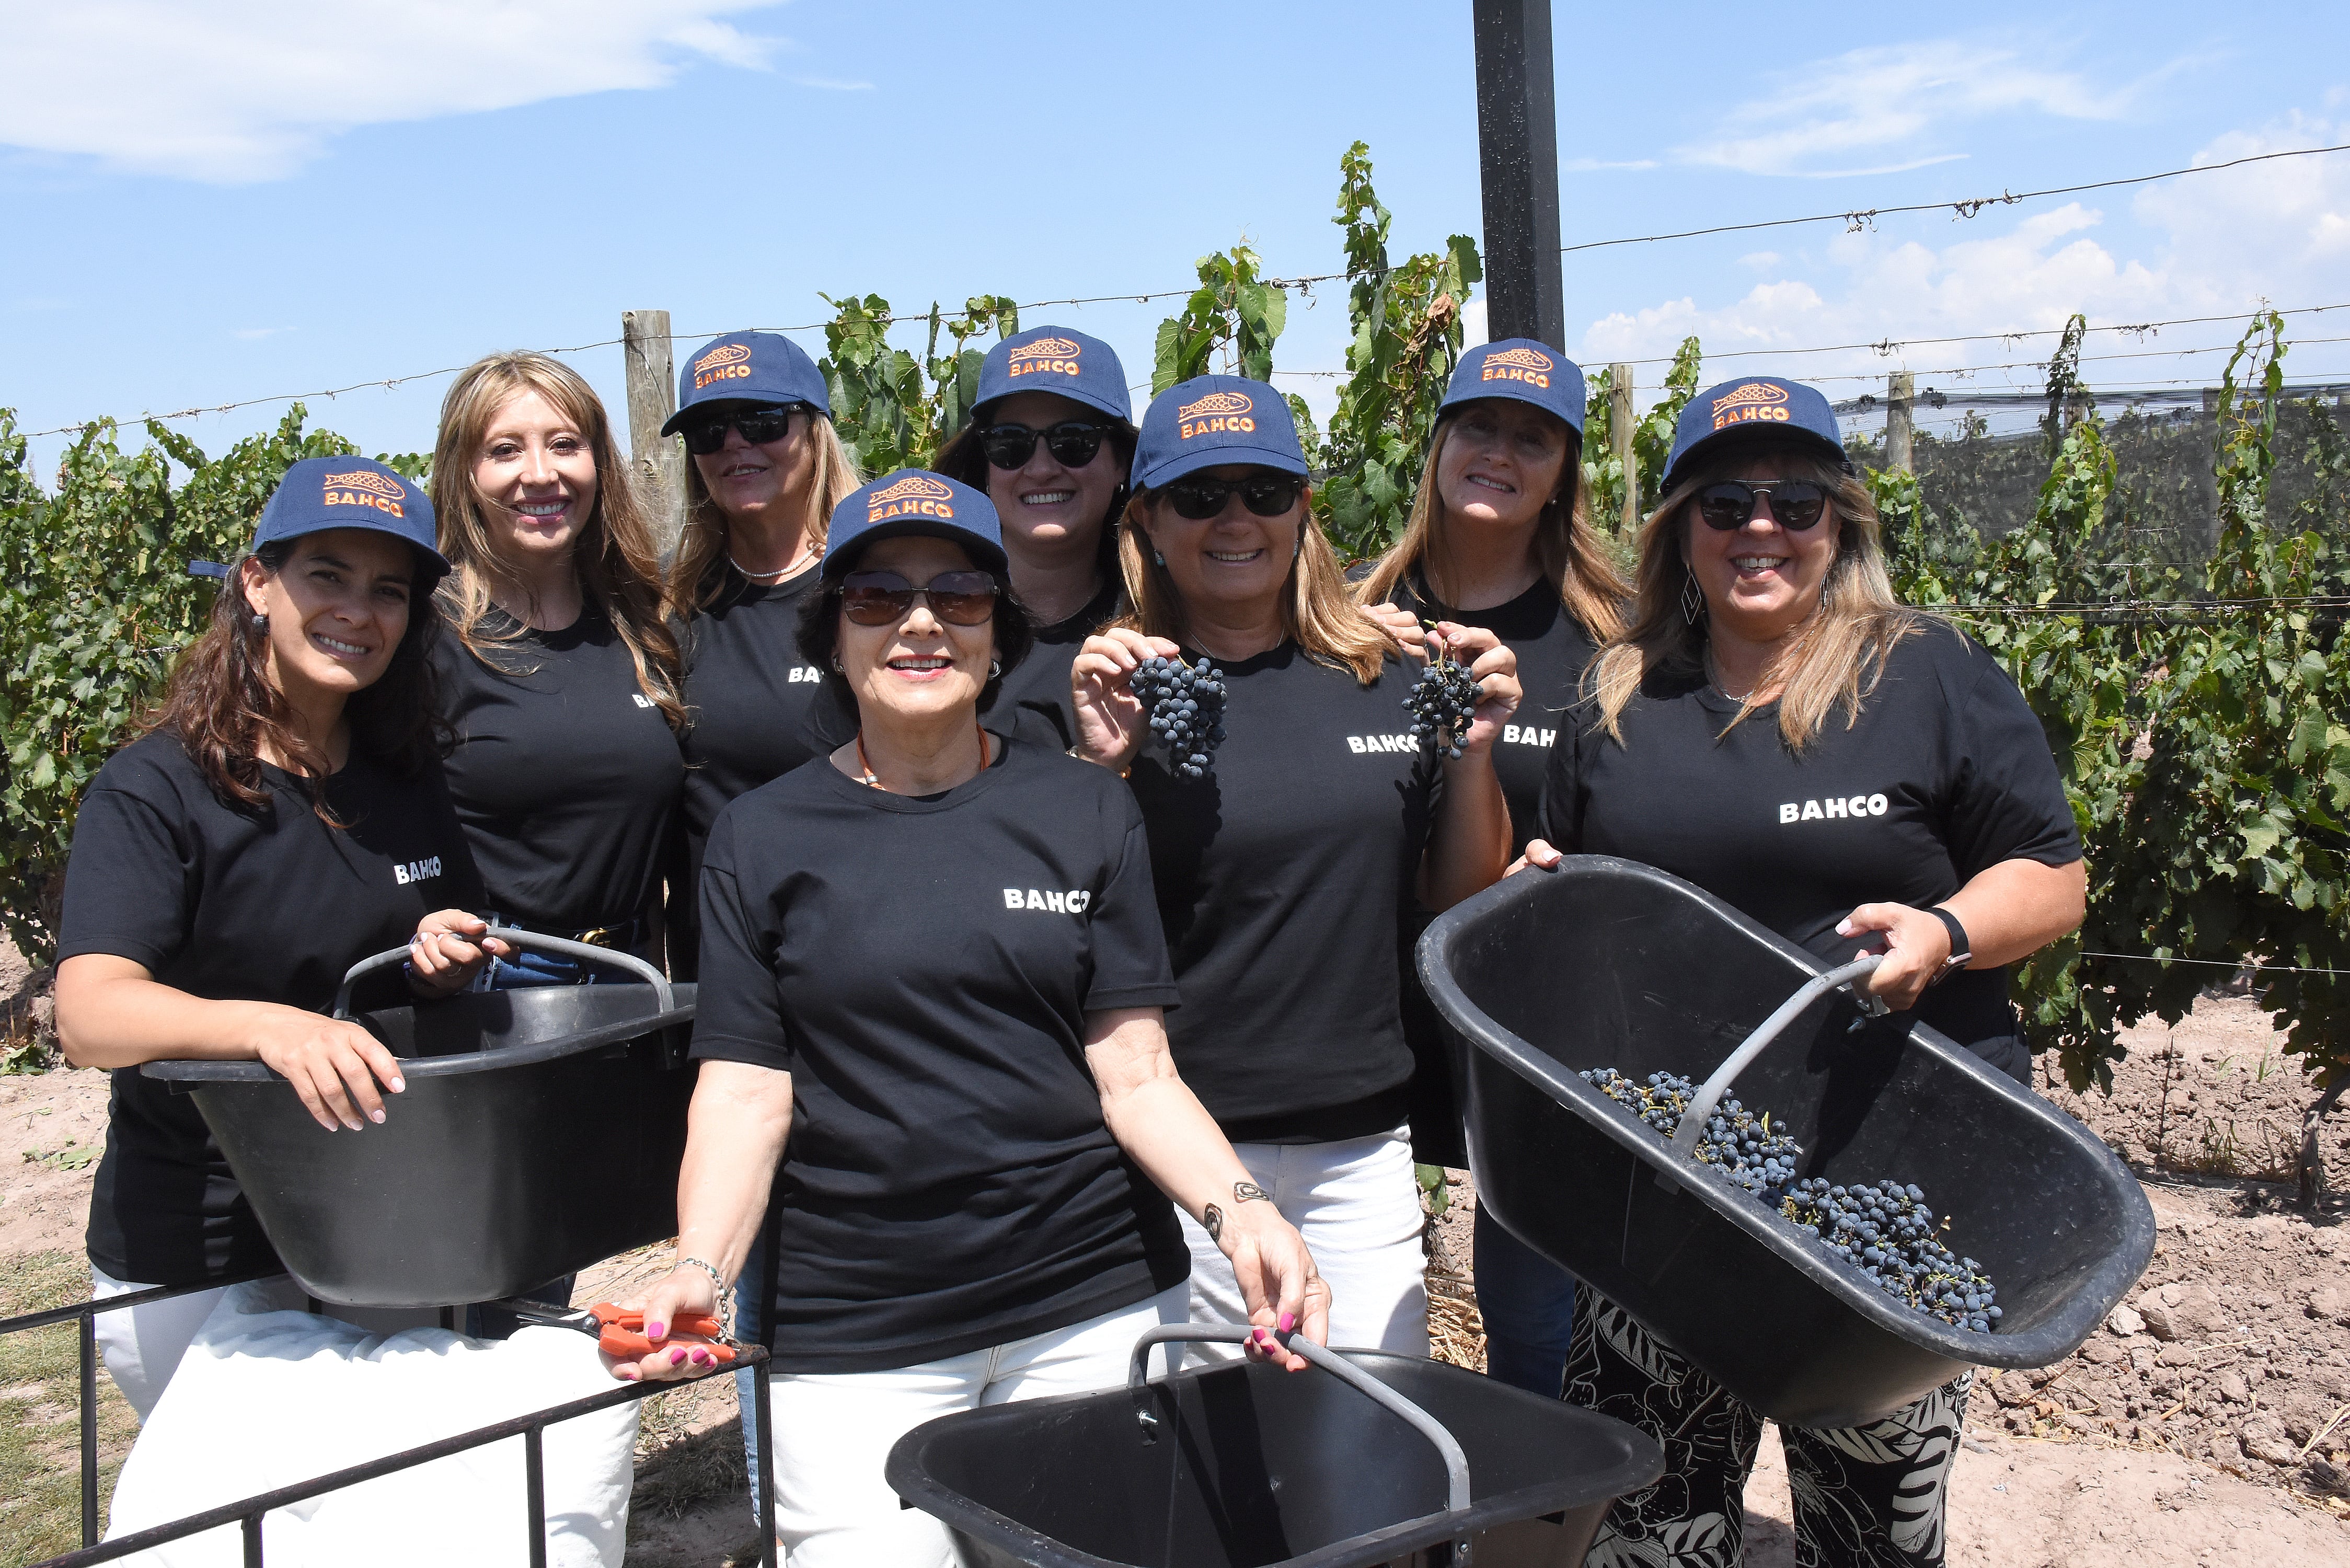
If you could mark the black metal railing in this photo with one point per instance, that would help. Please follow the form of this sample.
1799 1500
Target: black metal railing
247 1513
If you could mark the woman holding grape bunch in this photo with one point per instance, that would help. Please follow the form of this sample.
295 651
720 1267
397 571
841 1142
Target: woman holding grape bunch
1497 539
1295 819
1775 727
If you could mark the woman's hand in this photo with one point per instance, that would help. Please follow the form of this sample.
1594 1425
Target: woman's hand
683 1293
447 950
1401 625
332 1062
1111 721
1495 668
1277 1280
1916 943
1539 854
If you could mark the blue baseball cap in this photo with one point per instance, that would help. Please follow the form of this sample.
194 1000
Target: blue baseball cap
1057 359
913 500
748 368
322 493
1753 406
1212 420
1523 369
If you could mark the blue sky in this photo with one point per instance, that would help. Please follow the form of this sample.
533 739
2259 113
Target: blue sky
266 198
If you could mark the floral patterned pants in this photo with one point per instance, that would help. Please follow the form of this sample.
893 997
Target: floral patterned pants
1865 1497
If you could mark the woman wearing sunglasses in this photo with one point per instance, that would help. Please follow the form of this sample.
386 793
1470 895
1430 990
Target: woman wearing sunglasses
1284 875
764 471
1051 434
1497 539
1776 728
932 1056
561 679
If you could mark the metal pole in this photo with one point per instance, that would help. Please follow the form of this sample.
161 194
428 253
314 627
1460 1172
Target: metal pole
251 1528
533 1485
1517 163
657 461
1900 400
89 1431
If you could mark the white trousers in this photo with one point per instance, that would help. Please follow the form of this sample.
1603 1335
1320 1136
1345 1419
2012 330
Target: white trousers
1358 1206
833 1429
142 1345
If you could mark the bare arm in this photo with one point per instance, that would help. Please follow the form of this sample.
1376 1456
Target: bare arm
1157 1119
1471 844
2010 911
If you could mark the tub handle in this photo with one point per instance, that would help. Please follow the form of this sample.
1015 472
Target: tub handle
1693 1120
586 952
1456 1463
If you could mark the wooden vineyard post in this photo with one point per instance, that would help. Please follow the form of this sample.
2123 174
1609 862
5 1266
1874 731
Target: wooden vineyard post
657 461
1619 431
1900 399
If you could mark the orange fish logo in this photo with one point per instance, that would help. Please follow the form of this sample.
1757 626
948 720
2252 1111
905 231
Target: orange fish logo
1748 401
724 354
1527 365
1226 411
916 495
366 487
1524 358
1046 355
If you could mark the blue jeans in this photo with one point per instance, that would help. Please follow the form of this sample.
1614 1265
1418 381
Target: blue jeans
1528 1306
749 1328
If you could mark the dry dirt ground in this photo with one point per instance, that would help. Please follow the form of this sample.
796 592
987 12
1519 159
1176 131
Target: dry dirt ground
2209 1423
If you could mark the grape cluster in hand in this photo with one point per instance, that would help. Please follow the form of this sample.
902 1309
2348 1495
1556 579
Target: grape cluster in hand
1441 703
1888 1233
1734 1141
1187 710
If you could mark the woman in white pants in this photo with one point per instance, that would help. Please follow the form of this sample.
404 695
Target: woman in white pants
932 1058
1285 868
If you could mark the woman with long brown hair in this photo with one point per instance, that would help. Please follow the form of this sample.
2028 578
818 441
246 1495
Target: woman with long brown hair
561 677
1282 876
282 817
1498 538
1776 727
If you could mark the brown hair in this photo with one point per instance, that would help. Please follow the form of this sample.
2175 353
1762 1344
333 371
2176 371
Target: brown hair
1316 612
618 563
701 572
1835 658
1565 547
225 710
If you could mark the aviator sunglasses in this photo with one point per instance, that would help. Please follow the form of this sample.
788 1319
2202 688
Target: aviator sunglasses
885 598
1266 495
1795 503
759 426
1071 442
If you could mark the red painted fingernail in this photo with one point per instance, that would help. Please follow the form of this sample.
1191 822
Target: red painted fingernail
1288 1322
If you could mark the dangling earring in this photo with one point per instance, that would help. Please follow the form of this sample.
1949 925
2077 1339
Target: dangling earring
994 668
1157 559
261 623
837 665
1693 600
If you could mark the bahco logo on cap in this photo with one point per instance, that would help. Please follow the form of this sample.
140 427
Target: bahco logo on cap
1753 400
366 487
1226 411
1517 364
727 362
1046 354
912 496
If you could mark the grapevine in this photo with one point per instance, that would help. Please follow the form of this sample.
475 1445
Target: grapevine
1441 702
1187 710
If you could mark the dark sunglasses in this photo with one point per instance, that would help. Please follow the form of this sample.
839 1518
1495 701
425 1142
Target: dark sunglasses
885 598
759 426
1071 442
1795 503
1266 495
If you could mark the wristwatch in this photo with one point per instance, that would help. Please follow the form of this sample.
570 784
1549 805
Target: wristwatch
1961 949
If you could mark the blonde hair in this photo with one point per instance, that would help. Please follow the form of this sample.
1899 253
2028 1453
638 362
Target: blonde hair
618 563
1316 612
1565 547
701 574
1835 658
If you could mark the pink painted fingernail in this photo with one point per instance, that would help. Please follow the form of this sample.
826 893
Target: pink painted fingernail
1288 1322
701 1358
628 1375
676 1357
656 1331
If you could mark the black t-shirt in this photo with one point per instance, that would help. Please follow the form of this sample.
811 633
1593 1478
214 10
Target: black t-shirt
1284 878
1040 682
233 904
1946 773
566 774
922 967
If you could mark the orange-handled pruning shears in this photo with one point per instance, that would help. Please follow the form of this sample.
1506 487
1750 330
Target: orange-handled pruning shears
620 1332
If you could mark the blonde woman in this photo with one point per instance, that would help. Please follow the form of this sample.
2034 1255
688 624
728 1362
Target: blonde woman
1282 877
561 682
1497 539
1776 728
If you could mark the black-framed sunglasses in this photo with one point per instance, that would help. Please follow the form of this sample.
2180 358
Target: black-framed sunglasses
885 598
1795 503
1071 442
759 426
1266 495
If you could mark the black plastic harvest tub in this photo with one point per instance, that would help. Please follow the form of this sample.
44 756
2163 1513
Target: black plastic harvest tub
541 1131
1609 963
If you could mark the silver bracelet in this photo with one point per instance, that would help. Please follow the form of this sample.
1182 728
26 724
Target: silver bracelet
725 1296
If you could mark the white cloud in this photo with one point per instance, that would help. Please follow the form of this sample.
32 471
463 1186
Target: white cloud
1866 111
237 91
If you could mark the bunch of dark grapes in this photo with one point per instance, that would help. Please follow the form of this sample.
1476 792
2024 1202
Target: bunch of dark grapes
1734 1141
1187 710
1888 1234
1441 703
